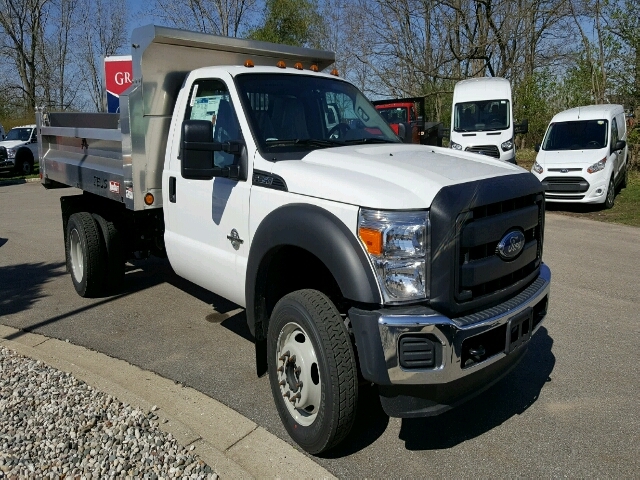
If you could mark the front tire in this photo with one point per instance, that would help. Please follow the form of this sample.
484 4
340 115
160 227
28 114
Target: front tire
85 255
24 163
312 370
611 194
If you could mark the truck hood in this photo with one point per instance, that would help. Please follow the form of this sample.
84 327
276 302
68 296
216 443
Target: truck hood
559 158
12 143
391 176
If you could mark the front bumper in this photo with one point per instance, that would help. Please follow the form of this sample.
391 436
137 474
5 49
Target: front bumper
465 349
7 164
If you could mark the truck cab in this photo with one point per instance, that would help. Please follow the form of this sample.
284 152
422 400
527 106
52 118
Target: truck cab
482 118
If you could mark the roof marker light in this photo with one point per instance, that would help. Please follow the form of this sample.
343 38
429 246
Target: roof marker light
248 63
298 66
281 64
314 68
334 72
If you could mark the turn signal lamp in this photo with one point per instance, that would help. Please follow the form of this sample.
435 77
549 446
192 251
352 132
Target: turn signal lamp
372 239
281 64
596 167
314 68
248 63
298 66
334 72
148 199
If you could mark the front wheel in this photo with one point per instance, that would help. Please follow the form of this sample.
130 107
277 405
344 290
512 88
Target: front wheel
611 194
312 370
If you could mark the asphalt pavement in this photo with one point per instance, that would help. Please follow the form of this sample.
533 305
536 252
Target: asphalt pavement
570 408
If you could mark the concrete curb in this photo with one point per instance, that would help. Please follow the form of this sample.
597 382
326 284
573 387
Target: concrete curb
17 181
233 445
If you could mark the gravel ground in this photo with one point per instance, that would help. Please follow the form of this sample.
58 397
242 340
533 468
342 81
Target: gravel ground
55 426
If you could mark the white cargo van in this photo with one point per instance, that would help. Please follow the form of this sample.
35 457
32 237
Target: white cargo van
482 118
583 157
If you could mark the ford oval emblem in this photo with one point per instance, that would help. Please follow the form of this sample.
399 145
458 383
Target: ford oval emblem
511 245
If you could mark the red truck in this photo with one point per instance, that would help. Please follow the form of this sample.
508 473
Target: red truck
406 118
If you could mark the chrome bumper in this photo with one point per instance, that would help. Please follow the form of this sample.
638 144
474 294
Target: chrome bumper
451 333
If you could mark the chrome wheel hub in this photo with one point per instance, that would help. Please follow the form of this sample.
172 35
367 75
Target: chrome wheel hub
77 258
298 374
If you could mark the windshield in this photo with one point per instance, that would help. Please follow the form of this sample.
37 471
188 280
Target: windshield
22 134
579 135
289 113
481 116
394 114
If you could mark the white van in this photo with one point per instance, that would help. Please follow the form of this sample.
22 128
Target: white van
583 157
482 118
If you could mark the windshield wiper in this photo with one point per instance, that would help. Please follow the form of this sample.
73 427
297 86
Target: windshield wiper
370 140
304 142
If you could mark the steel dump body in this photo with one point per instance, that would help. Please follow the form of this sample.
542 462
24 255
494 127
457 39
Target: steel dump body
121 156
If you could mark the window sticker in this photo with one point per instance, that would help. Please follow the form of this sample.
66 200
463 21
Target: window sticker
206 108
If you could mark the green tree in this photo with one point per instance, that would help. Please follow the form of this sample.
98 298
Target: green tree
291 22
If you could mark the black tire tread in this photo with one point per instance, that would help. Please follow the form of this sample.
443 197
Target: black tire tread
336 341
94 254
113 253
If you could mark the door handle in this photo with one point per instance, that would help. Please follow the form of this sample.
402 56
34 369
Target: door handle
172 189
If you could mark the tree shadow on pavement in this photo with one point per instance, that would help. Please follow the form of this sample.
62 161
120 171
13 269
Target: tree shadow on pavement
21 285
513 395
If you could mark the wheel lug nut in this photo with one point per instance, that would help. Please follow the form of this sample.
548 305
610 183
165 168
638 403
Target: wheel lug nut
298 370
281 369
286 394
282 383
295 397
292 359
284 356
299 385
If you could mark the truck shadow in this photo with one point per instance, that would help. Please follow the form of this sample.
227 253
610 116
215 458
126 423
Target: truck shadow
512 396
21 285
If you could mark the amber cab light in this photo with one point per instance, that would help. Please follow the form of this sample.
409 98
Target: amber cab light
314 68
248 63
372 240
281 64
148 199
334 72
298 66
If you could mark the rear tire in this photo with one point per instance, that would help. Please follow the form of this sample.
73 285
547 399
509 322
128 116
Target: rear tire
312 370
85 255
113 252
611 194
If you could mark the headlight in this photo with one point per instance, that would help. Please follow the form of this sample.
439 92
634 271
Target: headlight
398 246
508 145
11 152
596 167
454 145
537 167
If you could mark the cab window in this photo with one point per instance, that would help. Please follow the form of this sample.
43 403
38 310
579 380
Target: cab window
210 100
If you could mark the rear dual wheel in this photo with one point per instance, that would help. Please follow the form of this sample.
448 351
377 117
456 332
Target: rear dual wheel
312 370
94 254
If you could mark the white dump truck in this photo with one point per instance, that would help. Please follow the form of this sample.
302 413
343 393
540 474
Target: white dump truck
357 257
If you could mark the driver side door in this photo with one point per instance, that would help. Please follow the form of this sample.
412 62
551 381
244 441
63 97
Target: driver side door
208 220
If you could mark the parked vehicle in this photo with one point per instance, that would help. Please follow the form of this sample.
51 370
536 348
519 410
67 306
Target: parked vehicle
19 149
583 158
282 189
406 117
482 118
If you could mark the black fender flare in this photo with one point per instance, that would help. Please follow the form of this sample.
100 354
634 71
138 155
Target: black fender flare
24 153
321 233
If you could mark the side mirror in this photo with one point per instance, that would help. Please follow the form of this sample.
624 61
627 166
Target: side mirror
420 122
522 127
537 147
402 131
197 152
620 144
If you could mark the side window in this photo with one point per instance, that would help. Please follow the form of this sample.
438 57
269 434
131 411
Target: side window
210 101
614 133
